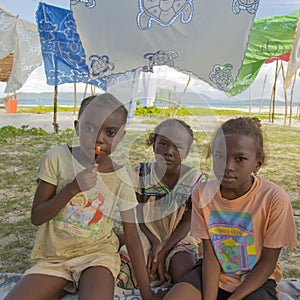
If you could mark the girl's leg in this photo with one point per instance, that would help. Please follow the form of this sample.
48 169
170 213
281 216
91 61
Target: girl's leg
183 290
96 283
267 292
180 264
38 287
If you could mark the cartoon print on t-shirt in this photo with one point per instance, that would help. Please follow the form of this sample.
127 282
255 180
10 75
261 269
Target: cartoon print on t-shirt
233 241
83 210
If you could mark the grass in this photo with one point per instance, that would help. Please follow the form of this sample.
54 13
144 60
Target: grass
144 111
22 149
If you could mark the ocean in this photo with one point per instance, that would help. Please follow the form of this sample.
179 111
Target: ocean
70 103
46 102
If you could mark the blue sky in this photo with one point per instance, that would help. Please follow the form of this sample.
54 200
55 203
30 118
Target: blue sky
26 9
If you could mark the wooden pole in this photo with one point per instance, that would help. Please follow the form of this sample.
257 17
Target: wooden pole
85 90
291 100
262 94
55 124
272 101
250 100
181 97
285 96
75 99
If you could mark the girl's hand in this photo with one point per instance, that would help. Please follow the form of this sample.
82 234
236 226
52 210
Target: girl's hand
85 179
153 260
164 276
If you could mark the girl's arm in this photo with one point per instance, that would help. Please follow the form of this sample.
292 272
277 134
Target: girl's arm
178 234
259 275
154 241
210 272
136 254
47 204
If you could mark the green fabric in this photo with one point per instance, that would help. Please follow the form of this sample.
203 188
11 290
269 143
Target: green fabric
269 37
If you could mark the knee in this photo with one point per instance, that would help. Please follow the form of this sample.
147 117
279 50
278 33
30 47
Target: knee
183 290
181 264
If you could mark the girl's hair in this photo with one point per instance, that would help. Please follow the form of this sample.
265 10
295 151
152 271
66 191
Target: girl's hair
106 99
242 126
84 103
171 123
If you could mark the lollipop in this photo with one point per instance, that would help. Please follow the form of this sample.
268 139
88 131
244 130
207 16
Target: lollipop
97 152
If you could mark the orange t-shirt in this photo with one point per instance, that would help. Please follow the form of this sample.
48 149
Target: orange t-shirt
240 228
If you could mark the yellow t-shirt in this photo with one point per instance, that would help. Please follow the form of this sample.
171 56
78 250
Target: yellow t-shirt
85 224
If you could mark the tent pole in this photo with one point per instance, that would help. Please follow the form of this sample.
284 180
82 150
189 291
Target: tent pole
55 124
285 95
262 94
85 90
75 99
181 97
291 100
250 100
272 100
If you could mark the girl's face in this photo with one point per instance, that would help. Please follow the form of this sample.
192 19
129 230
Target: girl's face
171 146
234 160
100 127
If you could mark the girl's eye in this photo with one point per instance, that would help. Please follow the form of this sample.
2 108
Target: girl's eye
240 158
89 129
111 133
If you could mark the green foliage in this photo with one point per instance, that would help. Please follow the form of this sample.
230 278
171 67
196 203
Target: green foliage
7 132
173 111
148 111
41 109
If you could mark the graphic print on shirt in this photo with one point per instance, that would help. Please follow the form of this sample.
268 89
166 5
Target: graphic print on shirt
170 199
80 213
232 237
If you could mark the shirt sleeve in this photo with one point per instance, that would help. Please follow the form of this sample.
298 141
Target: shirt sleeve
48 168
198 224
281 229
127 193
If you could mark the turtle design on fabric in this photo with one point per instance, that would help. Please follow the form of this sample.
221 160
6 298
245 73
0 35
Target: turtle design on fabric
164 12
221 76
88 3
99 65
250 6
160 58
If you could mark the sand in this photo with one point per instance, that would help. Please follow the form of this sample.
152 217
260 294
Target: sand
66 120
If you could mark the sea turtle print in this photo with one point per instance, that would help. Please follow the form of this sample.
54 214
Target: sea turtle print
99 65
160 58
250 6
88 3
221 76
164 12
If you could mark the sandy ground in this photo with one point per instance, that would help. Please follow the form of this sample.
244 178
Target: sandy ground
66 120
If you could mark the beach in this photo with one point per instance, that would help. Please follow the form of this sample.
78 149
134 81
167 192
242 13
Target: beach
65 120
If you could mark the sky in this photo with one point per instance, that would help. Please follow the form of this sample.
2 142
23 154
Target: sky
26 9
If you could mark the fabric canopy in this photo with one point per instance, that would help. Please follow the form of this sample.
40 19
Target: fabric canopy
206 38
294 62
269 37
63 54
22 39
284 57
